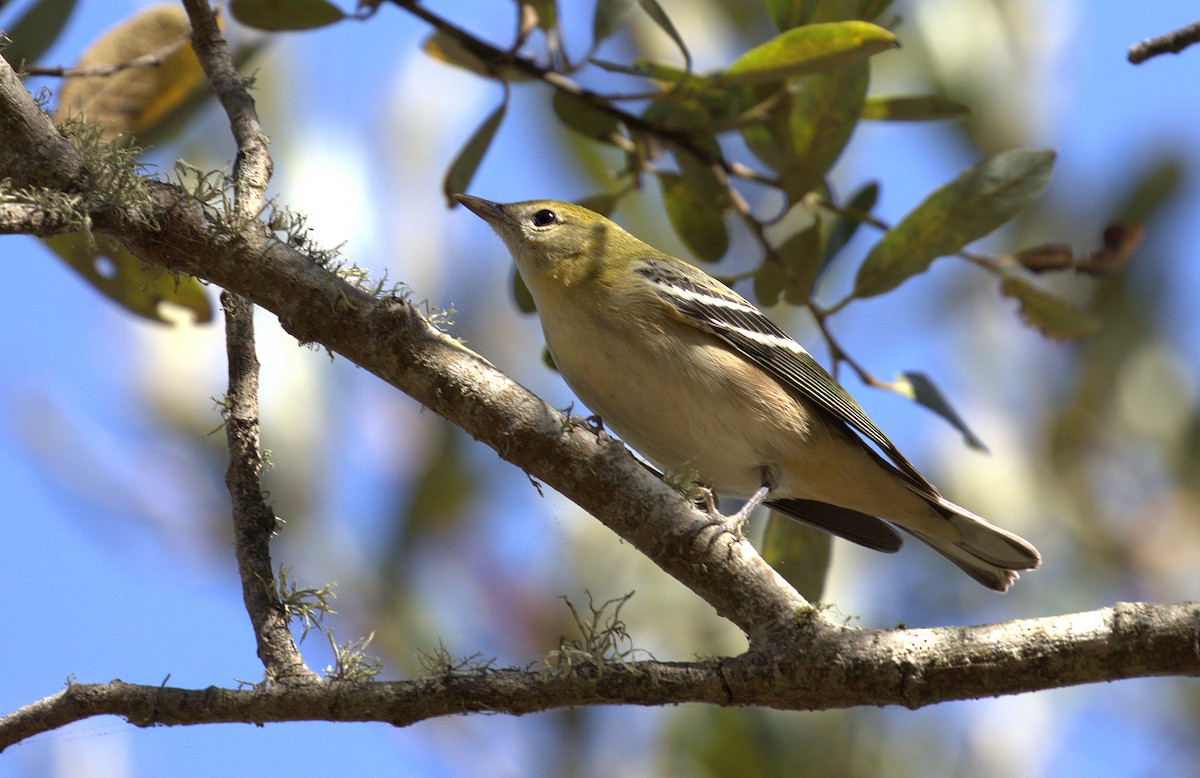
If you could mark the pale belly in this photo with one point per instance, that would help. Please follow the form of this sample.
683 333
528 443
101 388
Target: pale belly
689 406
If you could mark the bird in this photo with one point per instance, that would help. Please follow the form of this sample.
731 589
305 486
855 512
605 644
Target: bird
699 381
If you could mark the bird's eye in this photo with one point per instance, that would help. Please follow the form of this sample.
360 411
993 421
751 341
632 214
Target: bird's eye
544 218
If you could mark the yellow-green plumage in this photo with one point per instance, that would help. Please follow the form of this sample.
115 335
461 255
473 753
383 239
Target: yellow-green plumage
697 380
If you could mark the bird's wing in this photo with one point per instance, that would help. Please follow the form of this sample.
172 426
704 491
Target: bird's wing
720 311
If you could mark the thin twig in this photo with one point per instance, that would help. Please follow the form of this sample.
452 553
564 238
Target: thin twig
152 60
838 355
1171 43
498 61
254 520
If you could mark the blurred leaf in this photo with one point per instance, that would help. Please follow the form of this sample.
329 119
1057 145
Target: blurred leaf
680 114
919 388
454 52
443 489
1157 186
846 225
872 9
285 15
660 71
799 553
789 13
809 49
1056 318
763 138
584 118
610 15
655 12
912 108
135 100
697 221
700 176
36 30
522 294
603 203
822 115
768 283
981 199
137 285
450 51
794 13
802 262
462 169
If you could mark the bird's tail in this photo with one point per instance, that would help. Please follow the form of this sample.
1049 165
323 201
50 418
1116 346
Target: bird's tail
987 553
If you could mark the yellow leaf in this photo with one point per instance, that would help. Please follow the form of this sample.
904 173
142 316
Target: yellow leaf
133 100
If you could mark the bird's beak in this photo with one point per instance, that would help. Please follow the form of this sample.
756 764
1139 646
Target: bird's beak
492 213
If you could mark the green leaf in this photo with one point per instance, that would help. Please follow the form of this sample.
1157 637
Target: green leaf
700 176
808 49
912 108
462 169
698 222
443 489
919 388
872 9
981 199
769 283
845 227
1056 318
474 59
655 12
789 13
817 125
610 15
799 553
521 294
802 262
285 15
678 114
450 51
37 30
584 118
135 284
1157 185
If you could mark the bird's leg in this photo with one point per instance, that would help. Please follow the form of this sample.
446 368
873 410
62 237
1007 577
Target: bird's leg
736 522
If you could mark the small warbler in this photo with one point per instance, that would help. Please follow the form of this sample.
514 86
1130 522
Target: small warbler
698 380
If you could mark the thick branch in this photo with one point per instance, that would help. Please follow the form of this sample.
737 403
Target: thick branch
821 669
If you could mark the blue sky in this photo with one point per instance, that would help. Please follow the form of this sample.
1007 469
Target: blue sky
111 573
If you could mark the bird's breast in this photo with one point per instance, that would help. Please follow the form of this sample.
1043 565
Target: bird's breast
679 397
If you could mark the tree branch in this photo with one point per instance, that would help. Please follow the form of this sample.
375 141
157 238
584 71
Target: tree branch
254 521
822 668
1171 43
